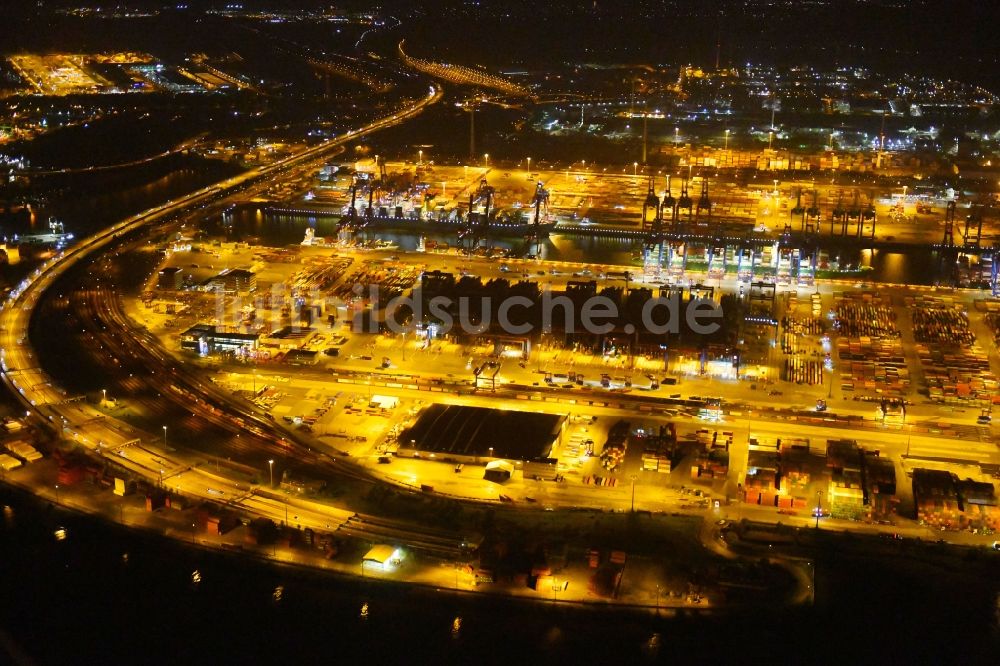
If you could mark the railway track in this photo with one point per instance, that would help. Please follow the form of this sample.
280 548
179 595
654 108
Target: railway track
99 311
103 320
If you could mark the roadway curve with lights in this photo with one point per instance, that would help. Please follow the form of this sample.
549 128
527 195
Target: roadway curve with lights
138 452
462 75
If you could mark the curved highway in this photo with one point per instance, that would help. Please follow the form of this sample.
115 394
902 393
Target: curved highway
140 453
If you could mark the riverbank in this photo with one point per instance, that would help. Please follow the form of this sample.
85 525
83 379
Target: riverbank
112 593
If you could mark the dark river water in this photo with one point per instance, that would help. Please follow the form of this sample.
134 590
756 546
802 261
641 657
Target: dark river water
107 595
919 265
87 203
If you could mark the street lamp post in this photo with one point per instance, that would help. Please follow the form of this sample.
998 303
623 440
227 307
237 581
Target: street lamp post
486 159
635 169
270 469
818 507
633 493
104 400
727 139
164 437
420 157
529 165
677 136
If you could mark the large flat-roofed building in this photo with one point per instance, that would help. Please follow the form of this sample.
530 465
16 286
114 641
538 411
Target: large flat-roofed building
302 357
382 557
465 434
205 340
169 277
233 280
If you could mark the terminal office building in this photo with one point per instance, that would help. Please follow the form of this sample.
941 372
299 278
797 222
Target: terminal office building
207 340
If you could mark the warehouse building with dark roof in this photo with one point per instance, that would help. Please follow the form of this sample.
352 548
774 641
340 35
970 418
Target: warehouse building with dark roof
457 433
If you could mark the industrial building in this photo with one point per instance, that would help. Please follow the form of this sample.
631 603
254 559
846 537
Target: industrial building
232 281
472 434
206 340
302 357
382 558
170 277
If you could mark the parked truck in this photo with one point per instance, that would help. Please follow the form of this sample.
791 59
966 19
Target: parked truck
541 469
